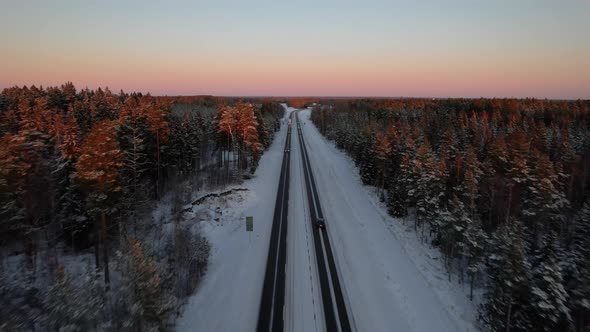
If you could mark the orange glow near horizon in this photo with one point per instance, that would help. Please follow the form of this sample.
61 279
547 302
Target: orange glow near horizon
466 50
291 76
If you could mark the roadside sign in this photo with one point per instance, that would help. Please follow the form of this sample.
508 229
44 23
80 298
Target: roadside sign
249 224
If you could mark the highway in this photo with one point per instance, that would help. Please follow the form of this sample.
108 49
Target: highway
335 312
271 313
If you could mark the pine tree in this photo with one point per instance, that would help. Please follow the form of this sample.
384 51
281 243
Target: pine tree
75 222
452 228
25 201
264 134
474 246
518 168
429 188
240 126
576 265
548 310
147 302
77 305
227 123
449 143
569 161
14 169
132 138
59 303
194 139
402 193
103 105
507 291
156 113
365 160
545 204
381 151
471 179
248 132
69 199
98 170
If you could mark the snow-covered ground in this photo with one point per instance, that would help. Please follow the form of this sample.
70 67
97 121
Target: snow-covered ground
228 297
391 281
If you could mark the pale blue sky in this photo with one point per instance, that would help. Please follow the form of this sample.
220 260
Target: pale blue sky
41 37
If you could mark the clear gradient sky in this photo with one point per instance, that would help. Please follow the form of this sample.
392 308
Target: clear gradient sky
425 48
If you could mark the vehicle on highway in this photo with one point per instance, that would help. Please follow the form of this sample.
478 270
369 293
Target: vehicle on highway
320 222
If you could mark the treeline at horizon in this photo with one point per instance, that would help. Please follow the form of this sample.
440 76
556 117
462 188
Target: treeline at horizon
499 186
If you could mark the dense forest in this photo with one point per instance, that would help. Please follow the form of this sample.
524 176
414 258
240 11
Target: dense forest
500 186
80 172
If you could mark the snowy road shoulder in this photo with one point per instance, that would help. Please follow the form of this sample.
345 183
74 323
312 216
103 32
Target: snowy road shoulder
229 295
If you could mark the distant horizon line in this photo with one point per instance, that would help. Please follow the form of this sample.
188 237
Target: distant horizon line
300 96
370 97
